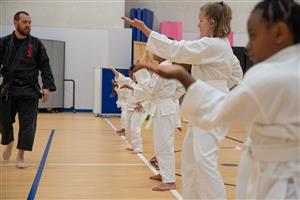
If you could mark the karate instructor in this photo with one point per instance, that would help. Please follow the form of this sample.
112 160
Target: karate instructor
22 57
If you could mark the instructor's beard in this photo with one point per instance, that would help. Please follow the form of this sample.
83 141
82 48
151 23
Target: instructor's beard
25 31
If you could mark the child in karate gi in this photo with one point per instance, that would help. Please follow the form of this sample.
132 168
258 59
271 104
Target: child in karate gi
122 93
163 113
266 101
135 113
212 61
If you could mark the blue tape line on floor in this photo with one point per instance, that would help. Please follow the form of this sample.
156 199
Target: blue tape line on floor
38 175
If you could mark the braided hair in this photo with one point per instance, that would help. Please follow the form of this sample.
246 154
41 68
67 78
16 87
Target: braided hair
287 11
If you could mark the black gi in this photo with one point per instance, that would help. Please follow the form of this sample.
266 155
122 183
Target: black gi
20 63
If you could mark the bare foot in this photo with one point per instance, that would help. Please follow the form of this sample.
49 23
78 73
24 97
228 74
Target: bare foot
136 151
156 177
165 187
129 149
121 131
122 134
20 164
7 151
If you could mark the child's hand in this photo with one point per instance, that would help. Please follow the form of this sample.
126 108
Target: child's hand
139 107
117 74
114 82
135 23
112 68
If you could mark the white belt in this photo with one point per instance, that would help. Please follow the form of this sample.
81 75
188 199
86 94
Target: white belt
266 153
275 152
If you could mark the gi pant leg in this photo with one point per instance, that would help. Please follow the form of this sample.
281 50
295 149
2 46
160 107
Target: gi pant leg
163 139
178 116
201 178
123 116
7 116
27 109
137 120
178 120
127 123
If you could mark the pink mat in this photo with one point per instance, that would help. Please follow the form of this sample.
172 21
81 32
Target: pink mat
230 38
171 29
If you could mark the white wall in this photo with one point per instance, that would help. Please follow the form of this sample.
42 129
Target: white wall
65 13
187 12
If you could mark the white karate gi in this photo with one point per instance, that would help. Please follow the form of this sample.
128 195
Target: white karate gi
179 92
121 103
268 101
213 61
163 112
134 119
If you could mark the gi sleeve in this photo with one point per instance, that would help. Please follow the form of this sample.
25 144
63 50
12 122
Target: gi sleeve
44 67
189 52
207 107
122 80
151 85
236 74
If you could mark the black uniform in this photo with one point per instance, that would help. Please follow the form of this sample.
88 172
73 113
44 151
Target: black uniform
20 63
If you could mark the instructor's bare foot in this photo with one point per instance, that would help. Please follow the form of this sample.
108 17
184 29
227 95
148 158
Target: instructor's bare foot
7 151
20 164
165 187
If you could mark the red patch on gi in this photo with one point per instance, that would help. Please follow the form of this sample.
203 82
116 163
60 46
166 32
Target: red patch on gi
29 51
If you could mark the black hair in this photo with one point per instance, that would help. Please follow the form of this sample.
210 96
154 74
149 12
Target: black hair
287 11
17 15
131 68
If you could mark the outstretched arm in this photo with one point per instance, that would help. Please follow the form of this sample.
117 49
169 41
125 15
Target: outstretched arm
169 72
117 74
138 24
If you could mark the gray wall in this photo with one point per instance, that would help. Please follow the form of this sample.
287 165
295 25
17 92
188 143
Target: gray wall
56 53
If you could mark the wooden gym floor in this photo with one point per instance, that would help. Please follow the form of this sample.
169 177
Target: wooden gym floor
87 160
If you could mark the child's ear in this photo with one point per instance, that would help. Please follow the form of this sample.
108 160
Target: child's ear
282 33
212 23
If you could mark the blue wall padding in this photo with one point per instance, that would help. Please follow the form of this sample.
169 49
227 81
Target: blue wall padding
147 18
108 101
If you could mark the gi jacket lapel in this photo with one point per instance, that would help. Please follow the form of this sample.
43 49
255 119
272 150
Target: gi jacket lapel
15 56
